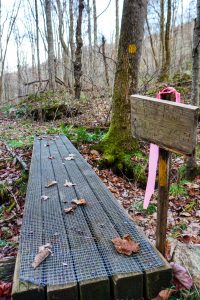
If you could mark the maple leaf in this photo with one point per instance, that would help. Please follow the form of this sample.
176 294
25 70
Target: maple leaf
68 184
182 279
164 294
43 252
126 245
69 210
43 197
69 158
51 183
79 201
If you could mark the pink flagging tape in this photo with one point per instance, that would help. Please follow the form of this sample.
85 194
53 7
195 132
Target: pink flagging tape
154 153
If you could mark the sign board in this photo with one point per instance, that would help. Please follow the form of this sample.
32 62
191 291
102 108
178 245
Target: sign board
170 125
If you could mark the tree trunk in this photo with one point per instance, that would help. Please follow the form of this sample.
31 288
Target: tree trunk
164 76
62 41
162 32
71 30
117 26
51 57
152 44
78 53
37 43
95 32
119 139
89 31
192 168
105 61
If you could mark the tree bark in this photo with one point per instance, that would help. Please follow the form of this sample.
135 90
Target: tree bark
78 53
119 138
95 32
71 30
37 43
192 168
117 25
51 56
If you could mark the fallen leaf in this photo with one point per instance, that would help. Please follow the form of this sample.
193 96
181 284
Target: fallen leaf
51 183
69 158
51 157
185 214
182 279
72 155
43 252
164 294
69 210
126 245
94 152
43 197
5 289
68 184
79 201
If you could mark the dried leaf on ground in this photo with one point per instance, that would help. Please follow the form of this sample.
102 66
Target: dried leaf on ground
5 289
72 155
43 197
51 183
126 245
51 157
182 279
69 210
69 184
79 201
164 294
43 252
69 158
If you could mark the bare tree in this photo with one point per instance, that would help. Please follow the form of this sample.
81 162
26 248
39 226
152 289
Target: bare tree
50 42
119 138
3 48
78 52
37 42
117 25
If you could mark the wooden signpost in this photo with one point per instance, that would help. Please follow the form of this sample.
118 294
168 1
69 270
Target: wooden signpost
172 126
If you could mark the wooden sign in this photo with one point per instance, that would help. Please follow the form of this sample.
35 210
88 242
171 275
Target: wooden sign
170 125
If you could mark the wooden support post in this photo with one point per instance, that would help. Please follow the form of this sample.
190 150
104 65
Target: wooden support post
163 193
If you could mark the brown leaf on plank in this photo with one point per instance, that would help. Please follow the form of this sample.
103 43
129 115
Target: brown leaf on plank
79 201
51 157
69 210
43 197
164 294
68 184
51 183
69 158
43 253
126 245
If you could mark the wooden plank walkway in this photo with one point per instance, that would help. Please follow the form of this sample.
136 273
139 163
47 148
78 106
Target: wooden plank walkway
84 264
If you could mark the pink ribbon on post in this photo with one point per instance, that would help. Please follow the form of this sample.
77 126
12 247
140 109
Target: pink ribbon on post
154 153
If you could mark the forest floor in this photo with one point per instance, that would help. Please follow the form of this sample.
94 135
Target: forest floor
85 130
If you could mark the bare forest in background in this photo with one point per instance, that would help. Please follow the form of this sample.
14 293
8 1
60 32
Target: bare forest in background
80 57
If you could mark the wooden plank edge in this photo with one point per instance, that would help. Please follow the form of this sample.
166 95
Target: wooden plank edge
24 290
157 279
62 291
97 288
127 286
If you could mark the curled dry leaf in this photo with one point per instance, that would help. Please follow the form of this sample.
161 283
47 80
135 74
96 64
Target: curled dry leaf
51 157
126 245
43 253
164 294
69 158
79 201
182 279
51 183
43 197
68 184
69 210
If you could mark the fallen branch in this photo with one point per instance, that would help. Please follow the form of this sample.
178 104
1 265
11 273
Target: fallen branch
18 158
13 195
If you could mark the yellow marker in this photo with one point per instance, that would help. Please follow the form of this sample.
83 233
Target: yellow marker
132 48
162 172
